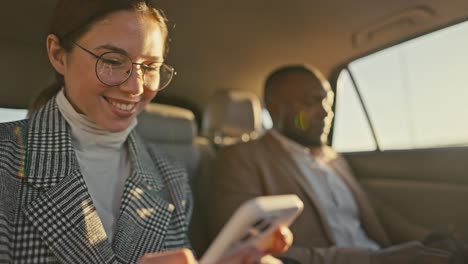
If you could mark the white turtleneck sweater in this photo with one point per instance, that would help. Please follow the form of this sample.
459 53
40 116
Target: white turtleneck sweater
103 160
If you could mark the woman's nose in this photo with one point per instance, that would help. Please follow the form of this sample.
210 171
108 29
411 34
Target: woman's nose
135 83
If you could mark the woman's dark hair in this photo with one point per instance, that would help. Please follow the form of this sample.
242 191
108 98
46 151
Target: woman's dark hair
71 19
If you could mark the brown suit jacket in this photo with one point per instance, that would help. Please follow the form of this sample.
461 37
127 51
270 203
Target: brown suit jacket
264 167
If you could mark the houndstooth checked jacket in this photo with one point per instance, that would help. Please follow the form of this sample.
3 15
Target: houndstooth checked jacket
46 212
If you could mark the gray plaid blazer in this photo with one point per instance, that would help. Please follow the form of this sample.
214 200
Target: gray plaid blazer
46 212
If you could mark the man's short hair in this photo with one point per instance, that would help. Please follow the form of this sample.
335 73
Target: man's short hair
270 87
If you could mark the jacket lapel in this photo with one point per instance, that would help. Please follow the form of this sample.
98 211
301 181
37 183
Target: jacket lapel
62 212
368 217
68 223
286 163
146 208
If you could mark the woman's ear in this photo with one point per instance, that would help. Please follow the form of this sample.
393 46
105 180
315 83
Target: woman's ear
57 54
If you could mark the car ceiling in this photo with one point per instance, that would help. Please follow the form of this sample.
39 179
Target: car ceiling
234 44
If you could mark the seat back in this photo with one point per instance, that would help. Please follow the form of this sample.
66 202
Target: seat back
174 131
232 116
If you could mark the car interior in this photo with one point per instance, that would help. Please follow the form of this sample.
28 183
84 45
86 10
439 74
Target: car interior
397 70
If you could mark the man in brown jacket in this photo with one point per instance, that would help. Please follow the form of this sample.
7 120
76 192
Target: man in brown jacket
338 224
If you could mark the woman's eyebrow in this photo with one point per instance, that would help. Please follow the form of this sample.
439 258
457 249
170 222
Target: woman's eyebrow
124 52
113 48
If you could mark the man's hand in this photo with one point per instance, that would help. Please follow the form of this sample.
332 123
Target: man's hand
411 253
449 243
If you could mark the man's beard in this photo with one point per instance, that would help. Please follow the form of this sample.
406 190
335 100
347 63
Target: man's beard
305 139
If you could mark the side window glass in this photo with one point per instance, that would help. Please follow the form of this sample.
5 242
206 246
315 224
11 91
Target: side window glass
8 115
415 93
351 131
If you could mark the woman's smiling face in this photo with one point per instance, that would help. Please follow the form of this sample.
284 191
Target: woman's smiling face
113 107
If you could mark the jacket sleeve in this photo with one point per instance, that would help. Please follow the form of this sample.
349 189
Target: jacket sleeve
8 206
232 180
10 184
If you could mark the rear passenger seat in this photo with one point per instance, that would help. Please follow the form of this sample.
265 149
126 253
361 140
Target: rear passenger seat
232 116
174 130
229 118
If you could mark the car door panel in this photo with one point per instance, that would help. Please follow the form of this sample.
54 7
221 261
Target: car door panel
429 187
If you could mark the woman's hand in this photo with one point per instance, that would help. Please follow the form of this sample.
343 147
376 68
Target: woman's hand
278 242
179 256
245 255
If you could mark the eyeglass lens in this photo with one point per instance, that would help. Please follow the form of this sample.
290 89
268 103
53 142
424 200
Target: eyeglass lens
115 68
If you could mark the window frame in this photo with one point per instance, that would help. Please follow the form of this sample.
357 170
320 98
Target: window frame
334 77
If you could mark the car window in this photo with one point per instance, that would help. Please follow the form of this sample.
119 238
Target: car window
8 115
414 95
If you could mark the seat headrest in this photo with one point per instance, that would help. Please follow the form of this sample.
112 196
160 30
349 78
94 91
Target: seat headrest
232 114
166 123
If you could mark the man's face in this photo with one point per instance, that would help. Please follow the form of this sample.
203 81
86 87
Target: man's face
302 108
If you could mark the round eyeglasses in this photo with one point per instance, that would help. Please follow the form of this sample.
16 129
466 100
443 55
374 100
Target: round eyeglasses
114 68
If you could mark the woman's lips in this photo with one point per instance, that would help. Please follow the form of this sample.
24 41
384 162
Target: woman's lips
122 108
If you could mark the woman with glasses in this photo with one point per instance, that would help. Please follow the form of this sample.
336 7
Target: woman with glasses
77 184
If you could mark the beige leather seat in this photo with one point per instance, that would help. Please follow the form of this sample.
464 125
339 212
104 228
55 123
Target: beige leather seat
174 130
232 116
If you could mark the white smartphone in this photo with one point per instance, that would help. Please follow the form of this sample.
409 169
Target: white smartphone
252 221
